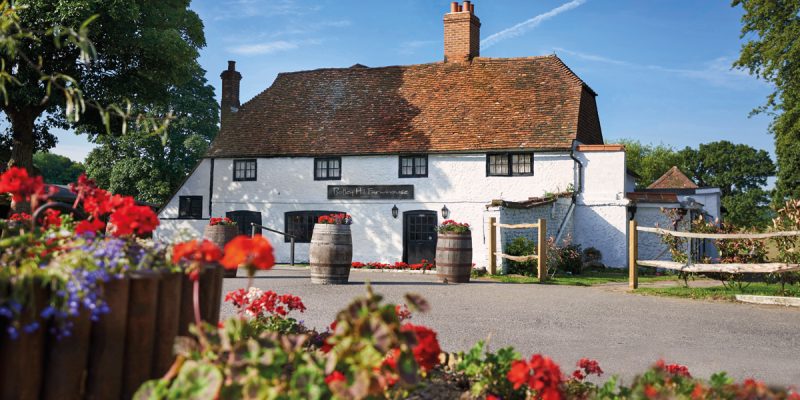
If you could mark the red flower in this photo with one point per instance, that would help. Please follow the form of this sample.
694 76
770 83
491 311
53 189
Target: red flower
20 217
336 376
427 349
21 186
673 369
132 219
220 221
93 226
252 253
650 391
197 251
540 374
52 217
403 313
587 367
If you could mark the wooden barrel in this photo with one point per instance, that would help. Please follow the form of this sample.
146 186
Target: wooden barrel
331 254
221 235
454 257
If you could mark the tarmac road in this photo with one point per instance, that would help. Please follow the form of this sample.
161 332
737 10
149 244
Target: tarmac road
625 332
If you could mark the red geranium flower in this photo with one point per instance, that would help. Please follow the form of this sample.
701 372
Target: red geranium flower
52 217
252 253
90 226
197 251
540 374
21 186
20 217
427 349
336 376
673 369
587 367
132 219
403 313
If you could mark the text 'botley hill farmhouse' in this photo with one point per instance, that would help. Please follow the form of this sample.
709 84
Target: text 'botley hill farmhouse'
402 148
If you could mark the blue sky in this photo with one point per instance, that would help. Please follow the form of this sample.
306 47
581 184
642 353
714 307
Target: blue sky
661 68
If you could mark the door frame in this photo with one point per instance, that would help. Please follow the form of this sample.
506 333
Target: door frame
405 228
233 214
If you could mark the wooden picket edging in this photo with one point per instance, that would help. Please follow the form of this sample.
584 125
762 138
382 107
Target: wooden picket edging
732 268
541 246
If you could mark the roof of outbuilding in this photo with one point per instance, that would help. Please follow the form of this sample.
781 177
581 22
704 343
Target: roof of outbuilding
488 104
673 179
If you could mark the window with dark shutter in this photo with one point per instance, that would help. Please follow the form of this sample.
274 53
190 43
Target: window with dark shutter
244 170
415 166
301 224
328 169
509 164
190 207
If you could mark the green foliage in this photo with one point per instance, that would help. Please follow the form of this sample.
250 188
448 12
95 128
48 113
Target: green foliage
151 168
487 371
521 246
649 161
76 62
57 169
772 52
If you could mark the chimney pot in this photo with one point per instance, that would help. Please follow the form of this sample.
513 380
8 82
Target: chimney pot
454 7
231 65
472 8
467 6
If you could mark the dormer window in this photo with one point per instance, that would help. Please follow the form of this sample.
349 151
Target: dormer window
328 169
244 170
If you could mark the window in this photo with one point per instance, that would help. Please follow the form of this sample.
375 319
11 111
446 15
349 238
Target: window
414 166
301 224
327 169
190 207
509 164
244 170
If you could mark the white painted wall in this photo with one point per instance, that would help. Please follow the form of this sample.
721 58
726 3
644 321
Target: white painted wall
287 184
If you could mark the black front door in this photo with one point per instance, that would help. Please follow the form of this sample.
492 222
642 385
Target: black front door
419 236
244 219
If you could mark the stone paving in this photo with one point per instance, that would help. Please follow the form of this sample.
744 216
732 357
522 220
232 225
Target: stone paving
625 332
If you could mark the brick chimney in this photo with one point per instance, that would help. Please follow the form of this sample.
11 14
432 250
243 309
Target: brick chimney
230 90
462 33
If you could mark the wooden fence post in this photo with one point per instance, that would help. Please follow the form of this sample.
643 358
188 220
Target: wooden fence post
541 252
492 246
633 254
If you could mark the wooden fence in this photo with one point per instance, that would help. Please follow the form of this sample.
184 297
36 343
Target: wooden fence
541 247
760 268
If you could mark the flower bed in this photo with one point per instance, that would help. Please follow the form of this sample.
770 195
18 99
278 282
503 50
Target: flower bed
398 266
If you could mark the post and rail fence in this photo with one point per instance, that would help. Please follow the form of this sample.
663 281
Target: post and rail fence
733 268
257 227
541 246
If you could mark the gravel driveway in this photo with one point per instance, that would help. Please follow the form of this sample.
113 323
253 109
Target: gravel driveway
625 332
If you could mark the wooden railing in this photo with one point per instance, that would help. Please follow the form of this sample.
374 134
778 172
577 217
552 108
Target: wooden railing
541 247
733 268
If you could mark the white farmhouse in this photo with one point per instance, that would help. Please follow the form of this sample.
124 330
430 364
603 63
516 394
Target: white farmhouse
402 148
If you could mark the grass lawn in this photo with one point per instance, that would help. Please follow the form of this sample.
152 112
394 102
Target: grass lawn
721 292
588 278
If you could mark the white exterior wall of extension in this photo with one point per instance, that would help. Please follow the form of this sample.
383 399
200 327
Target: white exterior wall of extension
458 181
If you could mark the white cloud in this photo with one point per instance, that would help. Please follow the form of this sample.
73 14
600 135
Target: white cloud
271 47
717 72
523 27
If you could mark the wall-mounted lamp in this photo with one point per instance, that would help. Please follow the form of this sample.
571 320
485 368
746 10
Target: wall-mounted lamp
445 212
395 211
631 212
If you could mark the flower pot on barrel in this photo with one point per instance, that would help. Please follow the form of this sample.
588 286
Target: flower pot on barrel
454 252
331 252
220 231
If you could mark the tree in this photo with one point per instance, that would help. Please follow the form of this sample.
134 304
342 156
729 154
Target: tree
648 161
772 53
56 169
143 50
142 165
734 168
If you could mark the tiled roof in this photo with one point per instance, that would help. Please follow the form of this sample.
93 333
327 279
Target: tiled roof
673 179
487 104
651 197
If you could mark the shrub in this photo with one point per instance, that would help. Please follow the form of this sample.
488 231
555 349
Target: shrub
521 246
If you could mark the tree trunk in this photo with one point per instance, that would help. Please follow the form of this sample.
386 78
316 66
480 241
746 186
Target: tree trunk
22 122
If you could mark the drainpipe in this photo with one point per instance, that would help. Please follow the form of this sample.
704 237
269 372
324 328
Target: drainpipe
211 190
577 190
